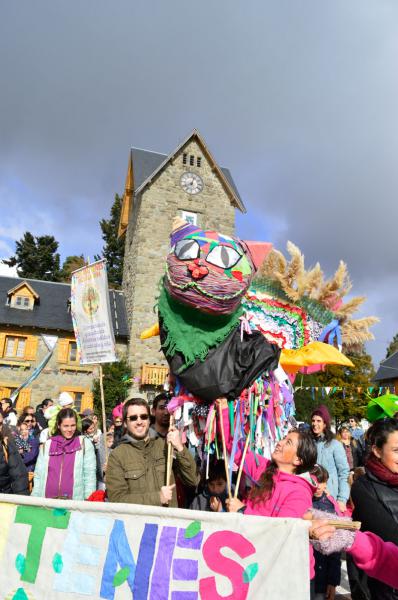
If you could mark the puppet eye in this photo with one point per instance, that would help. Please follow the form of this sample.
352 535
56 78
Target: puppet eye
187 249
223 256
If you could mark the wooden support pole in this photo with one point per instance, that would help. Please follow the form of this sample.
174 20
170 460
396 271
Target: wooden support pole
224 449
101 381
242 462
169 453
352 525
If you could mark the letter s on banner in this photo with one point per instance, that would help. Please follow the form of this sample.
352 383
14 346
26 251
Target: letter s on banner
219 563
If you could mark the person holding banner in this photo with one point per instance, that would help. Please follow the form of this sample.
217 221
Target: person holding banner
66 465
377 558
136 470
283 486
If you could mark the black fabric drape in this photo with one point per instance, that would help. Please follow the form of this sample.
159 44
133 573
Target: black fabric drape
229 368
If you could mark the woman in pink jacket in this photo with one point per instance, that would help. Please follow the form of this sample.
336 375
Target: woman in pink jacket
379 559
282 486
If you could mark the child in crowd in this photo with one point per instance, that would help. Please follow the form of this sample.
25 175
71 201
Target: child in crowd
27 444
214 492
22 438
327 568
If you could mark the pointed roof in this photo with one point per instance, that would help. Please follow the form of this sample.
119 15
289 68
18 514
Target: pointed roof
388 368
148 164
20 285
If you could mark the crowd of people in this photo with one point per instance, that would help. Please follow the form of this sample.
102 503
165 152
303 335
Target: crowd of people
52 451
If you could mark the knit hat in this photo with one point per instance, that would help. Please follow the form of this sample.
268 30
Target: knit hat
323 412
65 399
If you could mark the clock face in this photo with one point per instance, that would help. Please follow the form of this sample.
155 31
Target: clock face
191 183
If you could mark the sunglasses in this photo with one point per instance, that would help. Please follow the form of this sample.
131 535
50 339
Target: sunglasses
28 421
133 418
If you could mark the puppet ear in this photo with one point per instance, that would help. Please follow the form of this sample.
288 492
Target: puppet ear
258 251
177 223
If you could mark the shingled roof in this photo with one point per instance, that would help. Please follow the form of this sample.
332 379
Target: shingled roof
51 311
388 368
146 164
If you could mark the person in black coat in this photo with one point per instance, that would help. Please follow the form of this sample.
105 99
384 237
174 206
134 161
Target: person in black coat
375 494
40 410
13 473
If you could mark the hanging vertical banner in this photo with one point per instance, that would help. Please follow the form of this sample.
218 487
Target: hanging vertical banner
91 314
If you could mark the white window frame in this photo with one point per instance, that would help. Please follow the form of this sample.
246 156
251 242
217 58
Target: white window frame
190 217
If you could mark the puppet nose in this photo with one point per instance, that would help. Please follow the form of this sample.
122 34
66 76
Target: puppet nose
197 270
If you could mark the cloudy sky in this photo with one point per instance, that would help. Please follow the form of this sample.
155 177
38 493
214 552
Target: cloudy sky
298 98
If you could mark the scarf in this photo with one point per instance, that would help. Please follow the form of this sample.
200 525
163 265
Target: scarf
376 467
60 478
349 455
22 444
191 332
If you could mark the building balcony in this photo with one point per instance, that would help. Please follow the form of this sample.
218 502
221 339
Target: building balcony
154 374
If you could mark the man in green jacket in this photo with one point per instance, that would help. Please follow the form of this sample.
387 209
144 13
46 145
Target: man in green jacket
136 470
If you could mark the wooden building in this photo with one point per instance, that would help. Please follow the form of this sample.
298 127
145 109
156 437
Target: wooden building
32 308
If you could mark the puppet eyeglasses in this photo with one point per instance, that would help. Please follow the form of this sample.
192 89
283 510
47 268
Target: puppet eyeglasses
221 256
187 249
133 418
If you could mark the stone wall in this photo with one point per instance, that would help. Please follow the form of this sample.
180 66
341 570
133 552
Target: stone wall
147 241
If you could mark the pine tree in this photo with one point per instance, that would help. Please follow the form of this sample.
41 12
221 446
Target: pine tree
393 346
71 263
116 383
36 257
113 249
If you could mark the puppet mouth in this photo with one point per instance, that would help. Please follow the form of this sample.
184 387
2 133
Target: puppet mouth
199 288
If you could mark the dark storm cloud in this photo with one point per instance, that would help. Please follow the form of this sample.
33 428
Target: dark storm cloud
297 98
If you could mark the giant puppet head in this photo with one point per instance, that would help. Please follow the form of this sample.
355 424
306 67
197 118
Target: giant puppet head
200 307
209 271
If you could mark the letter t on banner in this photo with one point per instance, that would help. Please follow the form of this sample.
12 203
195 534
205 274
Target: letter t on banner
39 519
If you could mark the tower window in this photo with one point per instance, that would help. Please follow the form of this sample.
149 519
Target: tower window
184 158
192 160
190 217
198 161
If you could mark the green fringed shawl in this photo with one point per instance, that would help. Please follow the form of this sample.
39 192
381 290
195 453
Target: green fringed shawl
191 332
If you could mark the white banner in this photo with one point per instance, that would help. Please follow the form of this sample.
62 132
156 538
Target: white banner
91 314
67 550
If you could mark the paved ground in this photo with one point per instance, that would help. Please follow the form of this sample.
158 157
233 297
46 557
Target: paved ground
343 591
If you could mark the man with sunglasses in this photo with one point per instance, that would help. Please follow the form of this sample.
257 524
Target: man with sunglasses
136 471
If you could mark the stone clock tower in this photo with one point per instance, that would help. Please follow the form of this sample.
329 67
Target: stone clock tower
186 183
